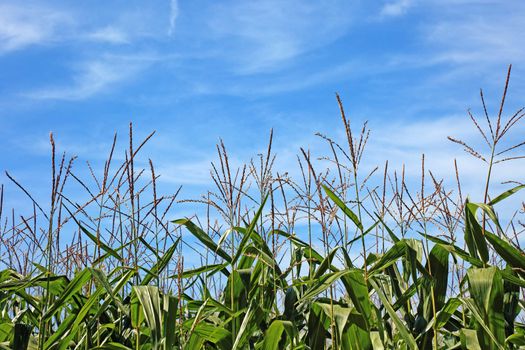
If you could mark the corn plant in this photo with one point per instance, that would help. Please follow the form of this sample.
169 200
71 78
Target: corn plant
279 265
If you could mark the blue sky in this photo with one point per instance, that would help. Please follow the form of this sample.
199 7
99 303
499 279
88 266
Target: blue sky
197 71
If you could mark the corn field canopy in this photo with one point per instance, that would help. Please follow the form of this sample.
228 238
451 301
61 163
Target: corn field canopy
340 257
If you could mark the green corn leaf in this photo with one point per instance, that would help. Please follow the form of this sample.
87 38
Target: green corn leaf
247 234
517 339
469 339
513 256
483 328
357 289
170 306
347 211
94 239
243 332
112 346
486 290
200 270
391 233
21 336
390 257
161 263
72 288
149 299
323 283
454 249
211 333
102 280
444 315
326 264
438 261
274 334
506 194
204 238
400 326
474 236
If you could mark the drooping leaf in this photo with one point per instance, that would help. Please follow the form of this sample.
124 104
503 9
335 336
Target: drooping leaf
513 256
323 283
474 236
347 211
98 242
389 258
203 237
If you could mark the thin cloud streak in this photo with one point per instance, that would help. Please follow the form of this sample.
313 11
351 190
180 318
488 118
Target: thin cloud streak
21 27
110 35
95 76
262 36
174 14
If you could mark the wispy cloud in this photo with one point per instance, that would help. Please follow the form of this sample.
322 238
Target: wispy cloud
174 14
282 84
259 36
35 23
404 142
479 37
109 34
95 76
24 26
64 29
395 8
196 172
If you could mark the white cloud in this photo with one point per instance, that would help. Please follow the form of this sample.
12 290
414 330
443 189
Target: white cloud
395 8
95 76
185 173
109 34
24 26
487 38
174 14
285 83
403 143
260 36
35 24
